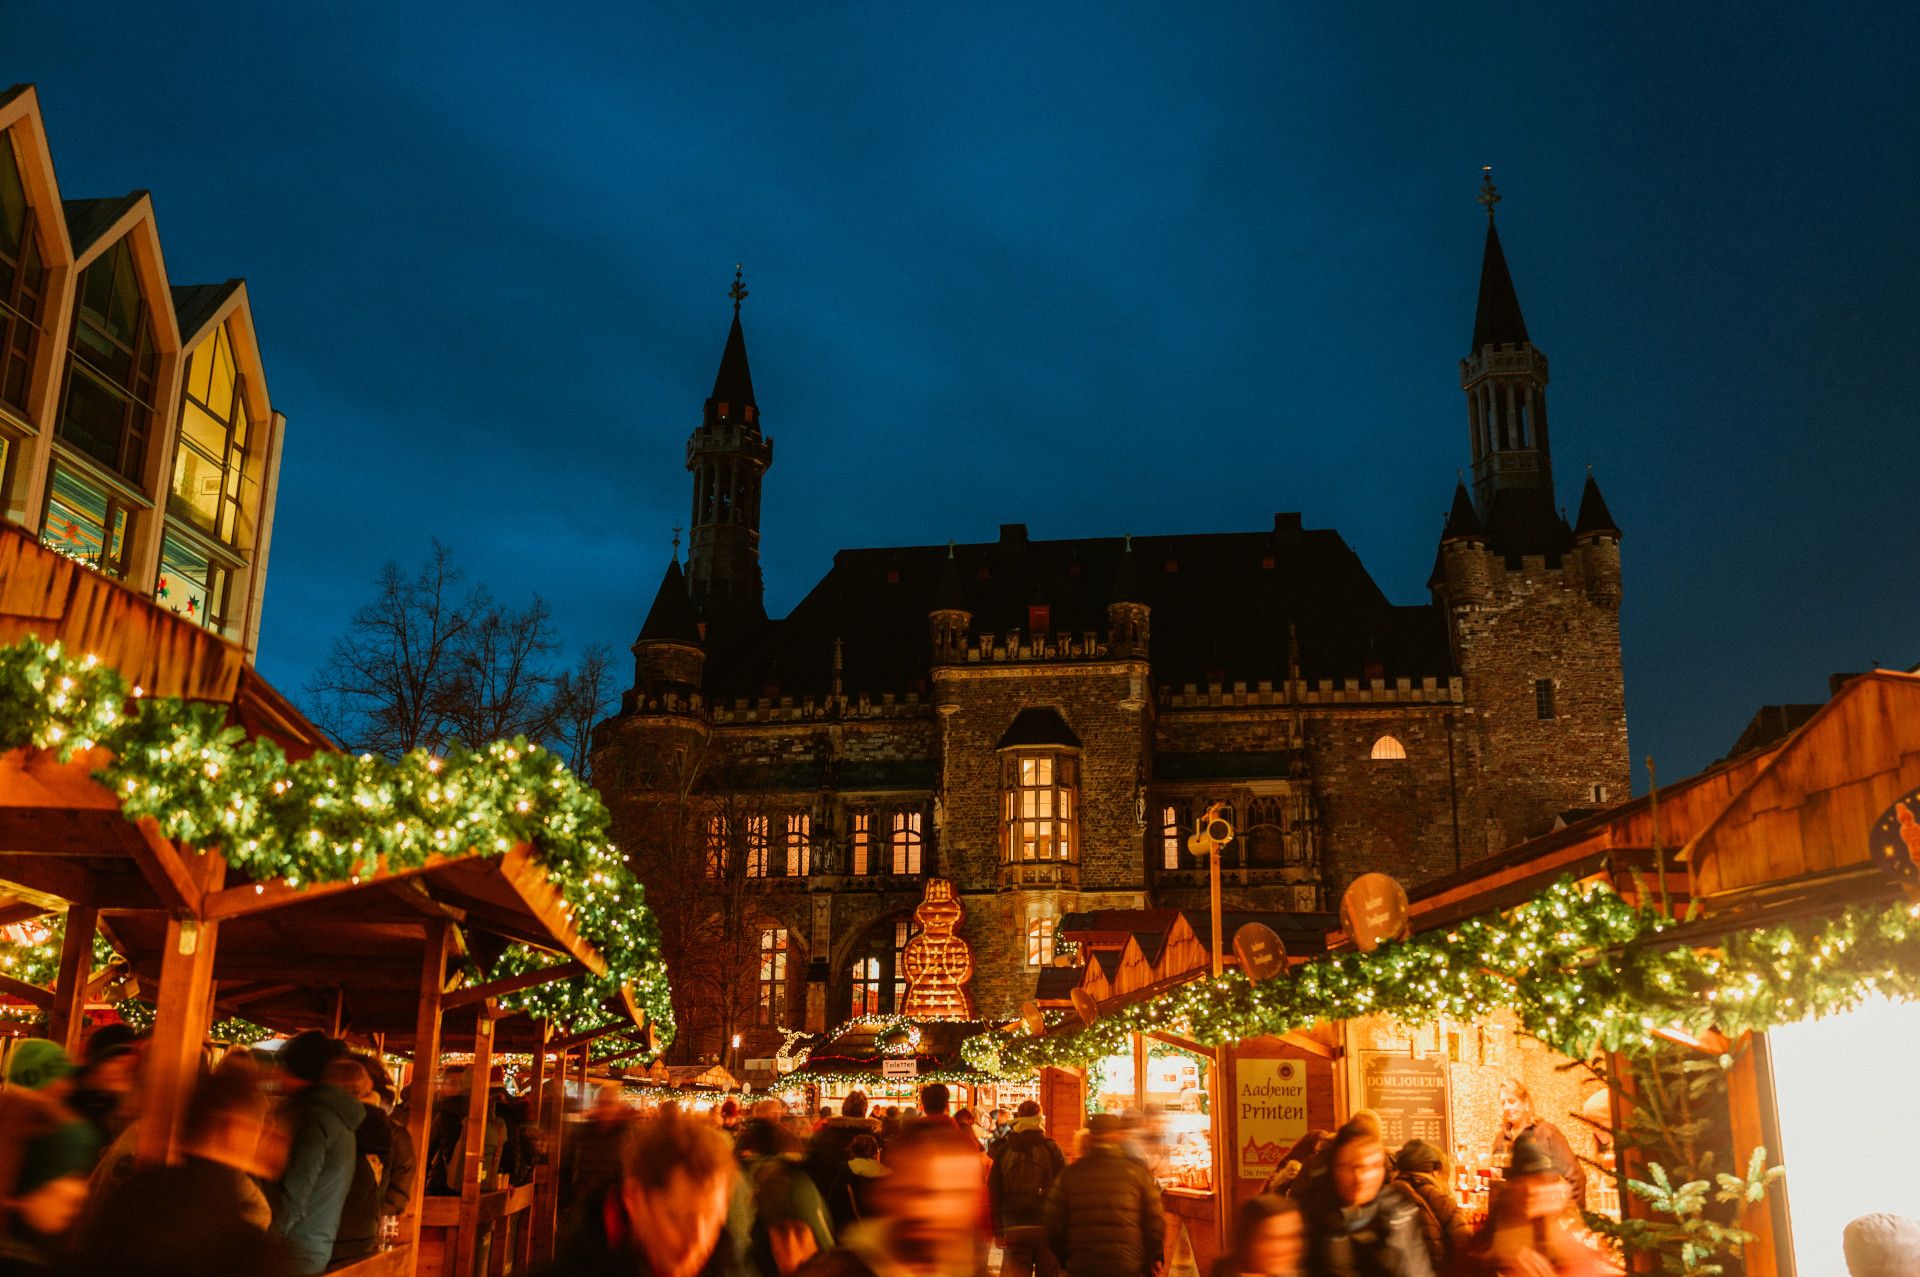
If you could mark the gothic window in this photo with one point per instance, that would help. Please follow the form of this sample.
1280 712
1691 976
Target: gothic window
1266 831
799 844
1173 835
1040 930
22 281
1543 707
209 484
904 842
111 365
862 823
759 852
879 981
1040 822
773 975
1388 749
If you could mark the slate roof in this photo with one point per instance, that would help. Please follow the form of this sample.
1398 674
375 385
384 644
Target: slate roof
671 618
1221 607
88 220
733 384
1038 725
1497 319
195 304
1594 515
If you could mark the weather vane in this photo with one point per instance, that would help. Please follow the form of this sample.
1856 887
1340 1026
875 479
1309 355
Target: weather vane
739 290
1488 196
676 544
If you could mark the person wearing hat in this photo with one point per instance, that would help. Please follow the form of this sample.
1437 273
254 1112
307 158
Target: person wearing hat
1528 1232
46 1150
1103 1216
1420 1168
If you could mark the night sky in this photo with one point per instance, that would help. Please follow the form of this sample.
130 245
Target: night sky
1098 268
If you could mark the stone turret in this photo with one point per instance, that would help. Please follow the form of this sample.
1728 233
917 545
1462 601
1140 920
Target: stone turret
1128 615
949 621
669 656
1598 542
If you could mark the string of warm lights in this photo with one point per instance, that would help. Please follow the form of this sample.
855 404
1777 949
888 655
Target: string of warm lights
336 817
1582 968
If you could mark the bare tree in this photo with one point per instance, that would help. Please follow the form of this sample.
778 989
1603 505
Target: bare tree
502 686
581 697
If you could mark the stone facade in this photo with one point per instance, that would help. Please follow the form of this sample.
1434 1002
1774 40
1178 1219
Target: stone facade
1041 722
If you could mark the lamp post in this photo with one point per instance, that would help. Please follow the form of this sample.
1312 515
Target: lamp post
1212 834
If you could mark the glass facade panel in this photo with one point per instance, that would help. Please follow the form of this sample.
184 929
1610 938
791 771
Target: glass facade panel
86 522
191 584
108 410
210 487
22 280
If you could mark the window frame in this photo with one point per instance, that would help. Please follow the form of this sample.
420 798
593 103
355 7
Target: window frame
1055 805
231 466
774 949
1546 699
759 847
906 843
136 393
860 843
23 296
798 844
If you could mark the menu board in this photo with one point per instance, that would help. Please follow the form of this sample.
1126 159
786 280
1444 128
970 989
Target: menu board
1410 1095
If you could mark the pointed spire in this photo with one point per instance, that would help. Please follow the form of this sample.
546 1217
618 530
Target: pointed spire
671 618
734 383
1497 320
1463 521
1595 519
1126 580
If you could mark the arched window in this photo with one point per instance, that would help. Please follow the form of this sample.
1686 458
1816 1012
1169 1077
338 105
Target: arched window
773 975
1041 926
904 842
1173 834
1388 749
799 844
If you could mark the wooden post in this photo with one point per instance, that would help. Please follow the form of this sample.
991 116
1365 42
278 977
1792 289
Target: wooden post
337 1016
467 1236
1756 1124
67 1017
182 1011
543 1176
426 1054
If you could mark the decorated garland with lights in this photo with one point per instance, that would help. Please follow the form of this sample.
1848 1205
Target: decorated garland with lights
335 817
1581 968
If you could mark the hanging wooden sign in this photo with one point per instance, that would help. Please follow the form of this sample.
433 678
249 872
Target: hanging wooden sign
1033 1018
938 963
1895 841
1374 910
1261 952
1084 1003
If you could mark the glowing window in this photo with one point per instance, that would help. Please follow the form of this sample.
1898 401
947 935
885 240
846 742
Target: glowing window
1388 748
86 522
862 842
773 975
715 860
758 850
191 584
1172 835
1040 941
210 485
1039 817
904 842
799 844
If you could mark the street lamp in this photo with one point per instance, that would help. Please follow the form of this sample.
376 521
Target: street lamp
1213 832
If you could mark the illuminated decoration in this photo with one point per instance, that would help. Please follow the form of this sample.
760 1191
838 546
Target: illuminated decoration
1582 969
938 962
1895 841
334 817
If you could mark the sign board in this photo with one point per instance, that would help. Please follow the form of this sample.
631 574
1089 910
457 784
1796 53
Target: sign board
1374 910
1083 1003
899 1070
1031 1016
1895 842
1261 953
1410 1095
1270 1112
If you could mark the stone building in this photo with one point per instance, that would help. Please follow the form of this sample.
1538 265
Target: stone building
1042 721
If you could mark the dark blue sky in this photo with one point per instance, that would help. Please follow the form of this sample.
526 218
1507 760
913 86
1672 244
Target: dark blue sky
1100 268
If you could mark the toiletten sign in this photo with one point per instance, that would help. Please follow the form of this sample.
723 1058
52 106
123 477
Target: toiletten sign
1270 1111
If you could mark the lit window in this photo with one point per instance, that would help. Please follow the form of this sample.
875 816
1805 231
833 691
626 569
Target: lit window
758 848
1040 941
904 842
1599 793
1039 818
773 975
716 857
86 522
22 281
1543 698
1172 836
1388 748
902 932
191 584
862 842
866 987
878 979
210 463
799 844
111 364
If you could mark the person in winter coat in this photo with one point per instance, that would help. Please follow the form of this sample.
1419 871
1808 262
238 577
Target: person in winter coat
1025 1164
105 1079
1103 1214
203 1216
1518 1119
666 1215
46 1150
790 1221
926 1213
1270 1240
359 1232
1420 1169
591 1154
1528 1231
1359 1224
320 1121
827 1155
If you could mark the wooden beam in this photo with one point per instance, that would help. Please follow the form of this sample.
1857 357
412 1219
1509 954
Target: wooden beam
176 883
54 883
573 1040
66 1019
253 993
181 1015
31 994
466 1238
513 984
100 980
420 1087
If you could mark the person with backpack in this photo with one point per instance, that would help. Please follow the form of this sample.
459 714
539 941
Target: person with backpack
1420 1169
790 1220
1025 1164
1103 1216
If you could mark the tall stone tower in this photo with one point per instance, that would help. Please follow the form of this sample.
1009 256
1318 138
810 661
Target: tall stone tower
1533 605
728 456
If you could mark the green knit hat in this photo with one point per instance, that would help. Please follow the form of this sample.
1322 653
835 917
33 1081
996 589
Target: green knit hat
37 1064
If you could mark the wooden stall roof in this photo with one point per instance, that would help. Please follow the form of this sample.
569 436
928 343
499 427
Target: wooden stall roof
858 1049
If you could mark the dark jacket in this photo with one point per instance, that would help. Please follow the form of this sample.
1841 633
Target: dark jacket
359 1234
827 1163
396 1172
866 1251
591 1158
180 1221
1441 1222
1103 1216
1381 1239
307 1201
600 1245
1011 1211
1546 1133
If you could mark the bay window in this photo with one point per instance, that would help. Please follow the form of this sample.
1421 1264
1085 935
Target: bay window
209 466
1040 821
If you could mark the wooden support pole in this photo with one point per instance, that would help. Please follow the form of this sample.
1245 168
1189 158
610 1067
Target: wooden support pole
426 1056
182 1012
337 1014
66 1019
467 1236
31 994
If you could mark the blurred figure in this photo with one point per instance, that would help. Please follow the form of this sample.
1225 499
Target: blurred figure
105 1079
396 1172
204 1217
824 1116
594 1149
666 1214
999 1126
935 1102
1518 1120
1269 1240
969 1126
1289 1177
320 1121
1025 1164
790 1222
46 1150
827 1155
1420 1168
926 1213
1103 1214
359 1233
1357 1222
1528 1233
1882 1245
864 1167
